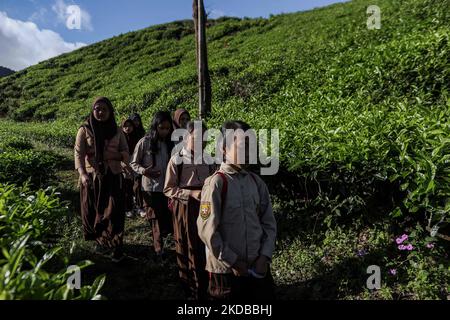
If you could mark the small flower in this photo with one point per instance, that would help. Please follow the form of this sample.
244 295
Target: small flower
401 247
402 239
393 271
430 245
31 198
409 247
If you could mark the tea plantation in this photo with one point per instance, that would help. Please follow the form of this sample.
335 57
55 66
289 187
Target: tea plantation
364 119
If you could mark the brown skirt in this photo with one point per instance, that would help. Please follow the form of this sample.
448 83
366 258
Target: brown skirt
191 256
157 213
103 210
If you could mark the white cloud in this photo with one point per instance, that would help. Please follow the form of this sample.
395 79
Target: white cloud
24 44
60 8
39 15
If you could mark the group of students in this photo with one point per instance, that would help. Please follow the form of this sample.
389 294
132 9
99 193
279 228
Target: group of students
221 217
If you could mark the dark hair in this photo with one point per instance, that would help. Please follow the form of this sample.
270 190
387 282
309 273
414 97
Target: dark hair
159 118
139 131
191 126
234 125
130 122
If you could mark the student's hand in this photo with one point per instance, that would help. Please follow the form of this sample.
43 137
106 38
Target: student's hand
261 265
240 269
85 181
196 194
149 173
128 170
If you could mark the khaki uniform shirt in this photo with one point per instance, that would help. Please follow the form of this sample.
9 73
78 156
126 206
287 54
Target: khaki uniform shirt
192 175
242 228
85 151
142 159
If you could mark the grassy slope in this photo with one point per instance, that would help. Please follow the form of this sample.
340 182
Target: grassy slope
310 74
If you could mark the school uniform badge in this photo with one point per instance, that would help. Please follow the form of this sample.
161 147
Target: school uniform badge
205 210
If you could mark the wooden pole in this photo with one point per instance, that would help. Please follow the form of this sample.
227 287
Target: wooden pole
204 80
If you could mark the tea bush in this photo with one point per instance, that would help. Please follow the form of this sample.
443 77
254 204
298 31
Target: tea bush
28 222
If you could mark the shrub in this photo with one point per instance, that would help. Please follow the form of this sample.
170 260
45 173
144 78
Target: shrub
28 221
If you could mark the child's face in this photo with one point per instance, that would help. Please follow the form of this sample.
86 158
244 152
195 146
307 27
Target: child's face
127 128
164 130
238 153
101 112
191 140
184 119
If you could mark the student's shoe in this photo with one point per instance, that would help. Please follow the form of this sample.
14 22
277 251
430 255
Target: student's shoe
129 214
117 256
102 250
160 257
142 213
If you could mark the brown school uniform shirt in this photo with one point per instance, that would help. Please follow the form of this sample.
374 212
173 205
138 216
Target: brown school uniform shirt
142 159
244 229
192 175
85 151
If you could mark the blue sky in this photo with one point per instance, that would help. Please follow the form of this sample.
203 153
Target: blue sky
103 19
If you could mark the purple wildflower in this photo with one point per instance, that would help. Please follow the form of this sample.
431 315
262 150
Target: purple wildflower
402 239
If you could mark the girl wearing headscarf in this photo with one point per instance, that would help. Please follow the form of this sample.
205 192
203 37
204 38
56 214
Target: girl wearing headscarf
100 149
150 159
181 117
140 131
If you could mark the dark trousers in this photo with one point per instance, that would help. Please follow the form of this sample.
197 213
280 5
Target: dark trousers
128 190
138 193
230 287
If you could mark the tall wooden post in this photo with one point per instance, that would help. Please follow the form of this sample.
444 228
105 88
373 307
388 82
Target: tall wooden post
204 80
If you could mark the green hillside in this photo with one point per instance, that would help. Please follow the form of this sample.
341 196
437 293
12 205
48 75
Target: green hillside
364 118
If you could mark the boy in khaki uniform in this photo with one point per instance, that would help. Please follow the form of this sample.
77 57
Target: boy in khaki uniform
238 227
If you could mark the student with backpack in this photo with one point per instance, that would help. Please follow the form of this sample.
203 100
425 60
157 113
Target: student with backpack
237 225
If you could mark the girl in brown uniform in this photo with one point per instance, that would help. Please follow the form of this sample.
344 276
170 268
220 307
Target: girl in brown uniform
100 148
184 181
150 159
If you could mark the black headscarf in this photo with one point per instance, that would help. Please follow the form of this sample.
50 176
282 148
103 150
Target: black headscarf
102 130
139 131
132 138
